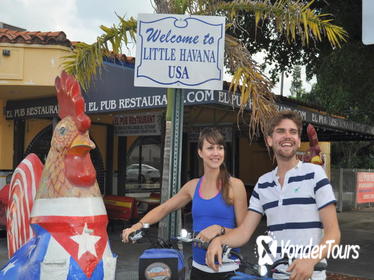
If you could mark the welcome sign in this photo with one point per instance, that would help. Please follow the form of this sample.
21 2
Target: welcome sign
179 51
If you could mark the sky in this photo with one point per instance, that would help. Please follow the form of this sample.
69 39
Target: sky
81 19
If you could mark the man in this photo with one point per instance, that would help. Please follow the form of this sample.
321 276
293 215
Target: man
297 200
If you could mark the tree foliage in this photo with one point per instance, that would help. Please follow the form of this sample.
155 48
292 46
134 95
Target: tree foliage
296 89
290 20
345 84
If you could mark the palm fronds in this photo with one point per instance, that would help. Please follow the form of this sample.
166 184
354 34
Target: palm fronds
85 60
254 87
291 18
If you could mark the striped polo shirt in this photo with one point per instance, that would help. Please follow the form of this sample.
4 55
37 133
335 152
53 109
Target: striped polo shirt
292 211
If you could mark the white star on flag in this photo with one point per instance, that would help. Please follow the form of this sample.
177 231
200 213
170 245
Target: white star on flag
86 241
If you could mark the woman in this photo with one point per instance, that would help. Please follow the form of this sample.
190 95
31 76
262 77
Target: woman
219 204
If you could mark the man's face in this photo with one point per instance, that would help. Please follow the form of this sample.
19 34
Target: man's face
285 140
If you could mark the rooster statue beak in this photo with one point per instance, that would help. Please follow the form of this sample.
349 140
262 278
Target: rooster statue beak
79 169
81 145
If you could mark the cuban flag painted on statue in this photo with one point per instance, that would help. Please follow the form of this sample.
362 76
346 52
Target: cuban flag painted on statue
70 242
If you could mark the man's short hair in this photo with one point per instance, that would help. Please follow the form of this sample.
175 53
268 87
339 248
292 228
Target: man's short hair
284 115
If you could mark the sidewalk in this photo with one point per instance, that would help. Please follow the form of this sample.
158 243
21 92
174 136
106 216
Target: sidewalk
357 228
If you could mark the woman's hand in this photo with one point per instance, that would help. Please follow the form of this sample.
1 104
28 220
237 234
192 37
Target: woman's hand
127 231
207 234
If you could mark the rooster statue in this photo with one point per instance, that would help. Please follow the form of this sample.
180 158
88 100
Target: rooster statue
56 218
313 154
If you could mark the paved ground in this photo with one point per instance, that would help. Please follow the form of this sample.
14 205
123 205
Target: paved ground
357 229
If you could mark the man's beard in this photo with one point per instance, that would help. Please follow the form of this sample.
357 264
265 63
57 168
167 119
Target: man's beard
285 156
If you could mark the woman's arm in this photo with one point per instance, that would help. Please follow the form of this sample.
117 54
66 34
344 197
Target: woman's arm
158 213
240 200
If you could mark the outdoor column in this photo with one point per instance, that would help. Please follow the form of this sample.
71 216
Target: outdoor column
18 141
108 190
121 179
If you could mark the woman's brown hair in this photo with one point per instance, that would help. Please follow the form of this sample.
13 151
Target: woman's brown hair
215 137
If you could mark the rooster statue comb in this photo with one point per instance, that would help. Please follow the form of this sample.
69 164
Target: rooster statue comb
71 102
56 218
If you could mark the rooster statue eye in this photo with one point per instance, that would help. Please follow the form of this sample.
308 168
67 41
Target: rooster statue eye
62 130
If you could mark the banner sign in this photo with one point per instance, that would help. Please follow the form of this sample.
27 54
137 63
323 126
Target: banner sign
113 91
31 108
179 51
105 103
323 119
365 187
138 124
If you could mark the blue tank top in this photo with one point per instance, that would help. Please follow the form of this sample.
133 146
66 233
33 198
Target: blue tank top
207 212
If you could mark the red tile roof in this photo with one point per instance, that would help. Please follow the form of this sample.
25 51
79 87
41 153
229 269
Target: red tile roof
34 37
49 38
122 57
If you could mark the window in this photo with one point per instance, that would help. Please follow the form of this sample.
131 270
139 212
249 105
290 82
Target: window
144 165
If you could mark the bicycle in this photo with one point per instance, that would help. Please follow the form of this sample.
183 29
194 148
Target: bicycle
165 261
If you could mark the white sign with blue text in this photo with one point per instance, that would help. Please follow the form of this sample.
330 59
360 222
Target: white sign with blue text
179 51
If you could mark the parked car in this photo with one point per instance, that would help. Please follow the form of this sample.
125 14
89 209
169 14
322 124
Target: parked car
148 173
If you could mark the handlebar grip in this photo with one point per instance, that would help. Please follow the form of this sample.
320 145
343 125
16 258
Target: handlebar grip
200 243
204 245
284 260
136 235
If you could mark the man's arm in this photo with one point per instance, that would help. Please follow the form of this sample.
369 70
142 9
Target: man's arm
235 238
303 268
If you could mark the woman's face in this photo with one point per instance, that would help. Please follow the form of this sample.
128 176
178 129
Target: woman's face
212 155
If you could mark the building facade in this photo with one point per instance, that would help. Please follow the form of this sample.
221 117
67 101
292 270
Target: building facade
127 121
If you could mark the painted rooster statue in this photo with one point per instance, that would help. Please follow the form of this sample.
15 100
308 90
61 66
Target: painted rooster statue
56 219
313 154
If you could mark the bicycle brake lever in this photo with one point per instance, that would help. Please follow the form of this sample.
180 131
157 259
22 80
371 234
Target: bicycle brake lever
226 254
136 235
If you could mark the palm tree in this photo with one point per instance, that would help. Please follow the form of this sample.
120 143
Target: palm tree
294 19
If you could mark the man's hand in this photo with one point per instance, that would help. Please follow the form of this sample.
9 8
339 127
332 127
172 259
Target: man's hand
214 253
301 269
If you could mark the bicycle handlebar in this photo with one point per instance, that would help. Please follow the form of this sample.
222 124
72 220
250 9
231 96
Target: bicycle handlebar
185 237
136 235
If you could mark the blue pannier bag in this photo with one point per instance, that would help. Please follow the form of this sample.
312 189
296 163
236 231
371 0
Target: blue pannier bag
161 264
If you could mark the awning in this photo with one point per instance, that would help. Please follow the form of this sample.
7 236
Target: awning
113 91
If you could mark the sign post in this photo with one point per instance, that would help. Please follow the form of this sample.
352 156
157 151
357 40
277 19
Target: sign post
178 51
174 223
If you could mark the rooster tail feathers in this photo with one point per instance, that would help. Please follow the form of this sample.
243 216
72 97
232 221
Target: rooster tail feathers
312 135
23 186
